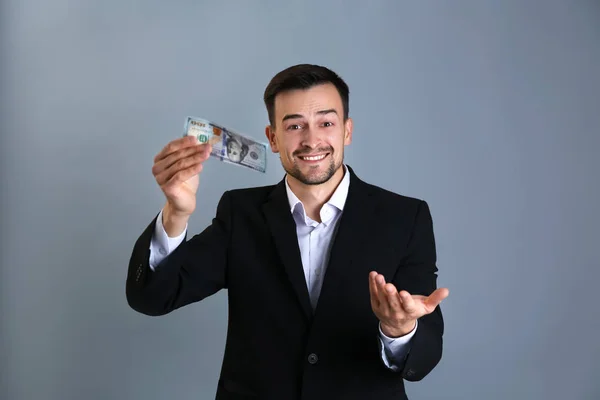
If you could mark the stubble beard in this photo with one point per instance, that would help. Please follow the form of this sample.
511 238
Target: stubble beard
319 179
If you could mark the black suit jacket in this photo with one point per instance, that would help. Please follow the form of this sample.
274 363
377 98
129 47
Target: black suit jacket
277 347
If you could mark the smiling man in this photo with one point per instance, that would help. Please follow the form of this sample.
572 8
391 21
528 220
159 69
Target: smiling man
331 281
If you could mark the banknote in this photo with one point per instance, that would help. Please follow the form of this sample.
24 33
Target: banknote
227 145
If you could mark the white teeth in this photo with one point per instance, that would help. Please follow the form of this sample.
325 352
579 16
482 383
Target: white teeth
316 158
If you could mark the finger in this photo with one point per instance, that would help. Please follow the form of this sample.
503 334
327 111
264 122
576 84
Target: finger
435 298
393 299
373 289
381 293
175 145
180 165
183 168
166 162
408 303
182 176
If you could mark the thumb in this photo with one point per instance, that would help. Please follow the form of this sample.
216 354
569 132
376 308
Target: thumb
435 298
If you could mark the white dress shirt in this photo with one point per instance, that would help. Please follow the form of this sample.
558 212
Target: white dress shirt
314 240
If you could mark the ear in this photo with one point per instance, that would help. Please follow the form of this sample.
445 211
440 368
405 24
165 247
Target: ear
348 125
270 133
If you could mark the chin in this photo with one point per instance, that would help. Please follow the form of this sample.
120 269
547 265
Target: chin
314 176
315 180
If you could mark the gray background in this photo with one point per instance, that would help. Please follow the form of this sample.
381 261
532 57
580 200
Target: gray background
488 110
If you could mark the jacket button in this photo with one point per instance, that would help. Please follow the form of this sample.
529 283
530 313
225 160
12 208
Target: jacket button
313 358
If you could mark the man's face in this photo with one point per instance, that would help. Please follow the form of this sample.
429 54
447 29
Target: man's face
310 133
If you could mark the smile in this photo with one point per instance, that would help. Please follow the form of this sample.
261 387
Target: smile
313 158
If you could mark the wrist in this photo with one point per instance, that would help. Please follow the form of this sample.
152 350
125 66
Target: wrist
398 331
173 222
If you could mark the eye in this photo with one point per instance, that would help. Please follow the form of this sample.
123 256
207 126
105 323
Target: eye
293 127
327 124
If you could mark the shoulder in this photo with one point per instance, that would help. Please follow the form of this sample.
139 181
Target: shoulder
392 204
398 212
391 197
386 197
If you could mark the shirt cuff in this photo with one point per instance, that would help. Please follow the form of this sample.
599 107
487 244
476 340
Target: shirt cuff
394 350
161 244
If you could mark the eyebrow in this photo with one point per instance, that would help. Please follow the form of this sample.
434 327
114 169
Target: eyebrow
322 112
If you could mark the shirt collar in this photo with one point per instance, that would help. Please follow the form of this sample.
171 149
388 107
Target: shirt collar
338 198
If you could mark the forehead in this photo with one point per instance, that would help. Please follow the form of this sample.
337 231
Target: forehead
308 101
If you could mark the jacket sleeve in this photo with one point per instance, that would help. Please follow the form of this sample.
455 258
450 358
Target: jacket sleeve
195 270
418 275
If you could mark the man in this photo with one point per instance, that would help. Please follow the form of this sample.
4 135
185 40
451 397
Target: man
331 281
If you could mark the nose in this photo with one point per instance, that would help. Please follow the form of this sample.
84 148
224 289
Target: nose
310 139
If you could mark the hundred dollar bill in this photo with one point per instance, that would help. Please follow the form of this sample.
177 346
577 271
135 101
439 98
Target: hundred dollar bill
227 145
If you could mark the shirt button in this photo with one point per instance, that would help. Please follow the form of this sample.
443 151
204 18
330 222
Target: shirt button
313 358
318 272
162 251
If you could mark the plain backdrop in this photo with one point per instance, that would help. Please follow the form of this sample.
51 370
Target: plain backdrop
488 110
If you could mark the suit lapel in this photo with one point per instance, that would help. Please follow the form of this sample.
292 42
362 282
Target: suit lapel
283 230
352 233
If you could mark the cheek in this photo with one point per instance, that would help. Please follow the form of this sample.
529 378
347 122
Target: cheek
289 146
338 141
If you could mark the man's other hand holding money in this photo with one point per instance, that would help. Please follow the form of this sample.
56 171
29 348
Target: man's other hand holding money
176 170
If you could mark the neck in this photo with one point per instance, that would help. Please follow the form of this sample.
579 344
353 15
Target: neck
313 197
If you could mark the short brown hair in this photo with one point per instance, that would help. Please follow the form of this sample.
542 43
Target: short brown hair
304 76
